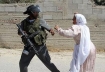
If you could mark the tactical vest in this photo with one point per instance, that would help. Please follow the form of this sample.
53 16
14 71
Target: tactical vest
31 28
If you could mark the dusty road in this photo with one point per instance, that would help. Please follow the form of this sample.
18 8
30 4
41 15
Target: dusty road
9 59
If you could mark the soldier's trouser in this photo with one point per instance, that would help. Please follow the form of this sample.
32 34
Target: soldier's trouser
43 56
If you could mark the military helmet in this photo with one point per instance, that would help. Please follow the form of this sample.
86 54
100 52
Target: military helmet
32 8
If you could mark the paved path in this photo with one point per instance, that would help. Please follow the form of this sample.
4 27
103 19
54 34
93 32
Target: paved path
9 59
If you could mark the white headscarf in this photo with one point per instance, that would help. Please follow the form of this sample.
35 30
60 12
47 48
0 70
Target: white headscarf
82 50
80 19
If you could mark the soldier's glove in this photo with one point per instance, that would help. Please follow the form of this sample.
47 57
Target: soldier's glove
52 32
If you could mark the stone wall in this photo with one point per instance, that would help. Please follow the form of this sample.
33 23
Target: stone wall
54 12
60 9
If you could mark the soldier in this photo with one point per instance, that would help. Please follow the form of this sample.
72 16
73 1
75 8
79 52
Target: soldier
30 25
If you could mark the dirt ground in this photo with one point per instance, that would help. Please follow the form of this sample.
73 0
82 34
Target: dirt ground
9 61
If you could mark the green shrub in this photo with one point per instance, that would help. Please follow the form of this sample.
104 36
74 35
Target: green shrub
16 1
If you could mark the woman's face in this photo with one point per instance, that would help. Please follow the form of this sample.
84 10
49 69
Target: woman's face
74 20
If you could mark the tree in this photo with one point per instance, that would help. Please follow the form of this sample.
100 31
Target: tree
99 2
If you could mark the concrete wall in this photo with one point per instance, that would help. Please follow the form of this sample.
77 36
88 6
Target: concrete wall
55 12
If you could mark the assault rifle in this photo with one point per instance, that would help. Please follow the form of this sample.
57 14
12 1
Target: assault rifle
27 38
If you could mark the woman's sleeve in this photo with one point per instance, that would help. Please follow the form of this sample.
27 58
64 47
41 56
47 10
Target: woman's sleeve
71 32
66 33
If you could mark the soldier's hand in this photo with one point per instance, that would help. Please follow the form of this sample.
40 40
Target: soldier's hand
52 32
20 33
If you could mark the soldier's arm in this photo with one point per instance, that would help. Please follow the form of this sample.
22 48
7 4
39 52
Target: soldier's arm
46 26
21 24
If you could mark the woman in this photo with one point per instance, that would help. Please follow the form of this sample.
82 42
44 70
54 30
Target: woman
84 51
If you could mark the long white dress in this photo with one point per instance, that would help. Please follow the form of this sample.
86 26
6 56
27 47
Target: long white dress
75 32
